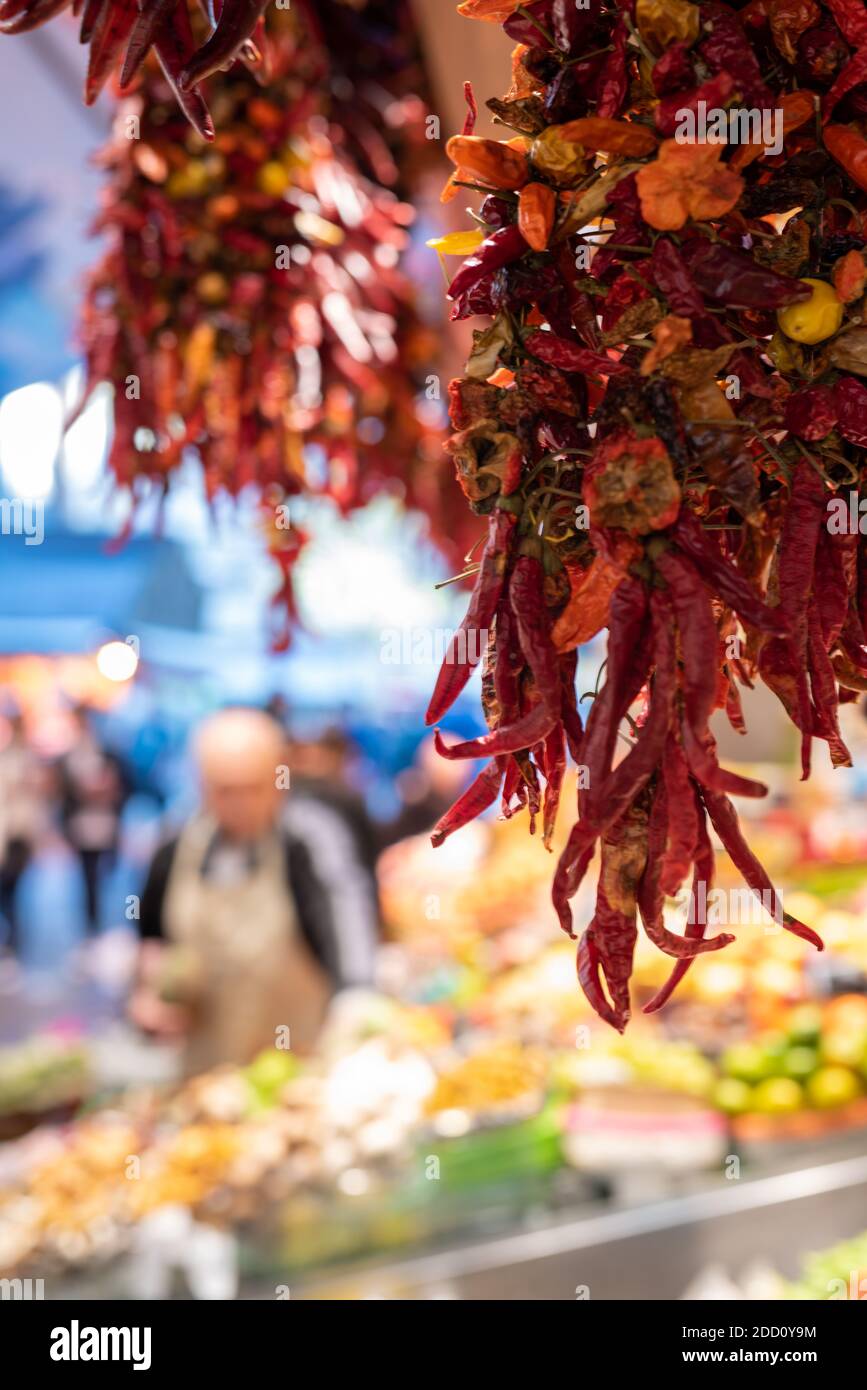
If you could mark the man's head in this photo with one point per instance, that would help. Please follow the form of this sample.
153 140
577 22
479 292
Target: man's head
239 752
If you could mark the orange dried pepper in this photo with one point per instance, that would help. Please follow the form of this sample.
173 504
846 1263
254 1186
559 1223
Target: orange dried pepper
850 276
669 334
614 137
494 11
499 164
797 107
587 607
537 206
524 84
686 181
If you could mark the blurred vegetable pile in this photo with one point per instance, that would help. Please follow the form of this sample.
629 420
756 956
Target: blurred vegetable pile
250 306
664 418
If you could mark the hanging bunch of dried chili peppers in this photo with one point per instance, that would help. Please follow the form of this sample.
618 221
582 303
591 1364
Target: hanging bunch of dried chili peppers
250 306
121 33
661 420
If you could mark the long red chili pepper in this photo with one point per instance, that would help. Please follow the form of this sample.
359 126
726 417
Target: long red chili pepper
173 46
235 25
683 827
533 630
719 574
702 883
481 793
464 650
725 823
783 663
143 34
651 891
570 357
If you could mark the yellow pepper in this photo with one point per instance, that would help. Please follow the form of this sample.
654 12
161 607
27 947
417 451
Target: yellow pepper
457 243
814 319
563 160
664 22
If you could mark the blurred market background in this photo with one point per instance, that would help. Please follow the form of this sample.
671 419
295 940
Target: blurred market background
466 1128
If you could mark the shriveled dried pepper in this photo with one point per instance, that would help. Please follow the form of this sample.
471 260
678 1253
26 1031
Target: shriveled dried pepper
537 208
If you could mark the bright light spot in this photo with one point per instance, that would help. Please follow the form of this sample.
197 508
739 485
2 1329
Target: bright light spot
31 422
86 440
117 661
354 1182
453 1123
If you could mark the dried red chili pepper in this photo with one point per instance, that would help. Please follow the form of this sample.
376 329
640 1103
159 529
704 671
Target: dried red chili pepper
480 794
698 637
570 357
823 688
731 587
783 661
464 650
702 883
499 249
673 70
734 278
669 115
612 86
726 49
850 401
725 823
613 929
652 890
852 75
526 589
811 413
120 34
849 148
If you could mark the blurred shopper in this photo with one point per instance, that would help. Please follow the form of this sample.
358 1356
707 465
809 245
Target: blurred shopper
93 791
22 818
239 936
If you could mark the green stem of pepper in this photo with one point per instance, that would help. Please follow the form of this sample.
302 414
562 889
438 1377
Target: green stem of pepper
546 35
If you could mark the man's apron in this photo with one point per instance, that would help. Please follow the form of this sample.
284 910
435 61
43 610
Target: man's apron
255 973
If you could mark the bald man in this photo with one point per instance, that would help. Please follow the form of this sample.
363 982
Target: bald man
256 946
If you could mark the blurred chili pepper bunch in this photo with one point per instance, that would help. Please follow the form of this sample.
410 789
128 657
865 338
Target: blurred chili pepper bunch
661 417
250 307
121 33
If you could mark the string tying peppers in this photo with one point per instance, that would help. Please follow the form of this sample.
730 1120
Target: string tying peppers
697 311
